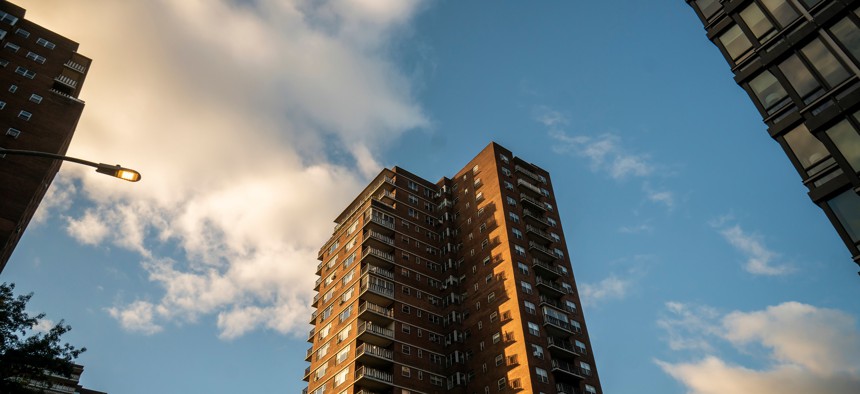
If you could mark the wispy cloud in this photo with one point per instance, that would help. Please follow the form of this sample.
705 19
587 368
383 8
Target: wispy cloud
606 154
611 287
688 326
636 229
760 260
252 123
808 349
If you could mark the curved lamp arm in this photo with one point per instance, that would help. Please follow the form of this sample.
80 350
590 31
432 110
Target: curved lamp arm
116 171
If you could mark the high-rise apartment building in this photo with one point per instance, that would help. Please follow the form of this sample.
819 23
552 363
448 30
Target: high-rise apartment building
799 61
462 286
41 74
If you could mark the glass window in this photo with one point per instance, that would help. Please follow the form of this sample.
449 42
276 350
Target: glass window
848 141
769 92
708 7
781 11
801 79
846 207
824 61
808 150
848 35
735 42
810 3
757 22
534 329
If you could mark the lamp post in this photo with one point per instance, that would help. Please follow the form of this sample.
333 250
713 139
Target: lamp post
116 171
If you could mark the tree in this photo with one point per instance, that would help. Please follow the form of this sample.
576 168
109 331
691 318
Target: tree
26 355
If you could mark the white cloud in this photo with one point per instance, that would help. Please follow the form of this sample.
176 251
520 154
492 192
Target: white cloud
688 326
611 287
811 350
604 153
760 259
59 197
44 325
664 197
137 317
253 123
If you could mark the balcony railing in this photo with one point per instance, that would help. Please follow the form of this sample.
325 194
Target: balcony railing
381 221
378 253
564 344
558 323
570 368
527 172
541 264
537 217
378 289
528 185
373 328
378 271
552 285
75 66
562 388
374 374
66 81
543 249
373 350
311 333
382 238
532 200
369 306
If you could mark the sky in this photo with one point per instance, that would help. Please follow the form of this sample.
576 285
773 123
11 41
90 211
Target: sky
701 262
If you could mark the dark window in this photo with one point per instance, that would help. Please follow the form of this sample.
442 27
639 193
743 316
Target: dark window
708 7
757 22
735 42
808 150
846 207
781 11
810 3
846 139
848 35
801 79
825 63
769 92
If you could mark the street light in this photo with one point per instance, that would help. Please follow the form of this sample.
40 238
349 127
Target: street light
116 171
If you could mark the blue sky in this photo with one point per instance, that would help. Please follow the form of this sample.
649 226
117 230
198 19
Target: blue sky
702 264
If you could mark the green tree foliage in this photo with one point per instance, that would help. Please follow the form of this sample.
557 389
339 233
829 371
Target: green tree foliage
26 354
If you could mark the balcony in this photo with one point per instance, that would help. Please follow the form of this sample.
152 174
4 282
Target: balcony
536 217
568 369
535 203
386 197
381 315
557 326
546 268
307 375
373 379
316 300
562 388
382 222
528 186
369 354
369 332
562 348
539 233
378 257
314 316
379 241
550 287
363 391
526 172
380 292
311 334
534 246
309 353
382 272
69 82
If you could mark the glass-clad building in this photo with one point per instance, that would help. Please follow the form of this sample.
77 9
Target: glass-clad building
799 61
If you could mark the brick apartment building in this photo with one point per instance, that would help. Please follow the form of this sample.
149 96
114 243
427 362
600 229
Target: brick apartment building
41 74
459 286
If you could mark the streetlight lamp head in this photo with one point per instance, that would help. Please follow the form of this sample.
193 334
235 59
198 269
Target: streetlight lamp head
119 172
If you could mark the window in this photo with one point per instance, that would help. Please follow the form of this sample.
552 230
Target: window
345 313
13 132
340 377
570 306
500 359
590 389
543 376
324 332
347 295
344 334
503 158
519 250
406 349
25 72
735 42
351 244
412 185
406 328
781 10
580 346
511 201
848 35
405 309
526 287
11 47
576 326
497 337
322 351
502 383
405 371
45 43
508 185
585 367
769 92
494 316
514 217
846 139
491 297
517 233
342 355
524 269
530 307
823 61
809 151
36 58
437 380
708 7
412 199
4 17
352 228
479 196
2 104
537 351
551 222
534 329
846 207
757 22
348 277
484 244
506 171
